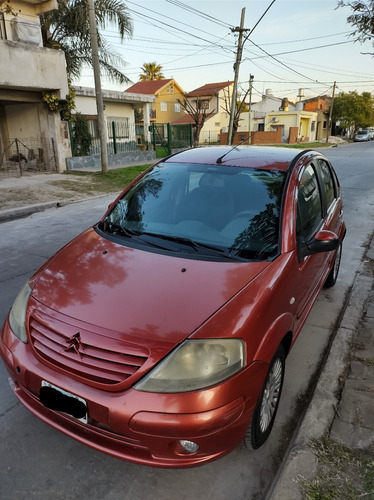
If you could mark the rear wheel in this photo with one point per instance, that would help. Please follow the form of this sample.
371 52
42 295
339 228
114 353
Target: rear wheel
333 275
267 405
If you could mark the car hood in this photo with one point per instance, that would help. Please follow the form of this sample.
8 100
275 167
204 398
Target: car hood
137 292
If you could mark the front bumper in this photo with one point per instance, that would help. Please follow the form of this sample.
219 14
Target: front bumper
141 427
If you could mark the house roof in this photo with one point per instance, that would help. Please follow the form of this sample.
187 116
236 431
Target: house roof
185 119
209 89
149 86
115 95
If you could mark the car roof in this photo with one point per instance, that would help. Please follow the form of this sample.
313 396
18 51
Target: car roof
269 158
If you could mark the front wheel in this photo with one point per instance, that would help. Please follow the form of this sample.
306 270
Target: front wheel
333 275
267 405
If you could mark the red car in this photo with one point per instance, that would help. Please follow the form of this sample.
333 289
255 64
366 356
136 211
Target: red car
159 335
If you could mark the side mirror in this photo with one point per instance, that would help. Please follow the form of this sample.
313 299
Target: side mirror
322 241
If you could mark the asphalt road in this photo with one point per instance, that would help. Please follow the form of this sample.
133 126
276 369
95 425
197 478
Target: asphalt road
37 462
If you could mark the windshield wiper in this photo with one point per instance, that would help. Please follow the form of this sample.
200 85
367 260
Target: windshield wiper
197 246
118 230
113 228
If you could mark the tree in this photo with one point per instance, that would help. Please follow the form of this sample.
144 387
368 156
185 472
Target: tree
352 110
68 28
151 71
199 114
362 19
82 139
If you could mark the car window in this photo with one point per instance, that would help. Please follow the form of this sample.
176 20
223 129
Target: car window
328 182
309 205
234 209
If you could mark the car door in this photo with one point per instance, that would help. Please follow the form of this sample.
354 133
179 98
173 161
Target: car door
316 210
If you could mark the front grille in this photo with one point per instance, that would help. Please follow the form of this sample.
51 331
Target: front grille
88 355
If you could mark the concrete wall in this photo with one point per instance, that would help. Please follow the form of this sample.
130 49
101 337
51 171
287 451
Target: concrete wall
273 137
93 163
257 138
25 63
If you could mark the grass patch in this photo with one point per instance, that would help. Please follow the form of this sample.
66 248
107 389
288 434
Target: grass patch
99 182
117 178
343 473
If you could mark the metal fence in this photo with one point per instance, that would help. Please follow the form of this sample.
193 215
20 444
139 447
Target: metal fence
167 137
209 137
27 155
122 137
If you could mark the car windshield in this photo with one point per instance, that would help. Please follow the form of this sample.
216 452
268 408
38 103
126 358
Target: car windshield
202 211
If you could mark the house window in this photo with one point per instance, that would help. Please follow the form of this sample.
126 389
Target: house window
313 127
261 127
203 104
168 89
164 106
177 107
121 127
325 124
172 89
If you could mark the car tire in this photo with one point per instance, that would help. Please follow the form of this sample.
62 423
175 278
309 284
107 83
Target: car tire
267 405
333 275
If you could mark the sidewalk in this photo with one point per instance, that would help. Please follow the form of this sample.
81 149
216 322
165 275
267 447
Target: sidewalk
341 412
337 430
23 196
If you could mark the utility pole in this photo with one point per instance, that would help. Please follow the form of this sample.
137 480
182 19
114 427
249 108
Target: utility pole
98 90
329 127
251 77
236 78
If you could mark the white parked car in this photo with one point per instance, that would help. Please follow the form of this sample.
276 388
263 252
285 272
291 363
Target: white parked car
362 136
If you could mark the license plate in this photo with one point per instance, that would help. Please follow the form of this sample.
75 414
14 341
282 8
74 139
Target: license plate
57 399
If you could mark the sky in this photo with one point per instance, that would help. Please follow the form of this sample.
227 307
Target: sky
290 45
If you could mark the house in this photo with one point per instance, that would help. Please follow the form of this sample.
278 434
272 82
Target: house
167 92
28 128
320 105
268 104
212 97
294 126
214 100
119 114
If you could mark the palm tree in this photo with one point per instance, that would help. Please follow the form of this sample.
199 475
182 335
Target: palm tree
151 71
68 28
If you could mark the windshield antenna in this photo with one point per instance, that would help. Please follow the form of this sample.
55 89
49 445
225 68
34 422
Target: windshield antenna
219 160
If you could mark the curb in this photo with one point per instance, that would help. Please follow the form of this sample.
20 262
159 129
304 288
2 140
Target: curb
299 461
18 213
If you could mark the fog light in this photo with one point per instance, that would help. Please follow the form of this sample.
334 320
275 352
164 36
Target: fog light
188 446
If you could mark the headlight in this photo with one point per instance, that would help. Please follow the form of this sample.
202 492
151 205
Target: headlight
195 364
17 315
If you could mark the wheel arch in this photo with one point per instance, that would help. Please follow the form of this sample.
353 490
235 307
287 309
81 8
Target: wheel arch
280 332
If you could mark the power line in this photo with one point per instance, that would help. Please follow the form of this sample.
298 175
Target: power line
199 13
280 62
301 50
261 18
308 39
170 26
